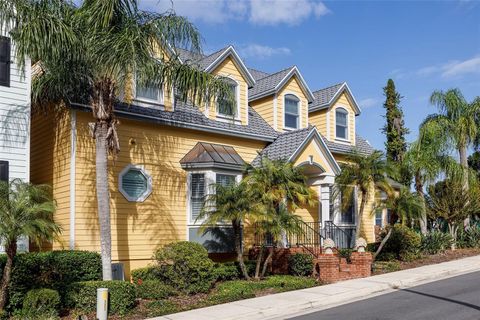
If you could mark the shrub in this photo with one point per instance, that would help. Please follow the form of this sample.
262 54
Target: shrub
154 290
186 267
43 302
386 266
435 242
345 253
404 244
146 273
83 296
54 270
469 238
227 271
300 264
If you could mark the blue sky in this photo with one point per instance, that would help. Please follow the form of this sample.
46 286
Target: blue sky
423 46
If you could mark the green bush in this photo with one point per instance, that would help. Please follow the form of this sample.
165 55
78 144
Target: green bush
469 238
300 264
54 270
146 273
44 302
186 267
404 244
83 296
153 290
345 253
435 242
227 271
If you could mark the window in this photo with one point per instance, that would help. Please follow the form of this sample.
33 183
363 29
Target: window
4 61
3 170
149 92
226 107
135 184
225 179
291 111
379 217
341 116
347 214
197 194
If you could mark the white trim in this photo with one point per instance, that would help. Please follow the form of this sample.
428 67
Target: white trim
145 102
247 116
343 87
275 115
243 69
73 149
28 75
299 110
148 177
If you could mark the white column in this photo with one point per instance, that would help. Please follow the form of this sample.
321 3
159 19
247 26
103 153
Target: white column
325 203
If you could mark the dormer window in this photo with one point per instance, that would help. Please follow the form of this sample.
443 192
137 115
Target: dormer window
341 123
148 93
291 111
225 107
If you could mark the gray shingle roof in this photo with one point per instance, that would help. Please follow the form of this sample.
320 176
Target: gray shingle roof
323 96
268 83
257 74
202 61
206 61
284 146
361 145
187 116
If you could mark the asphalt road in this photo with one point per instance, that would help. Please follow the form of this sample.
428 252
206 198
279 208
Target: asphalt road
455 298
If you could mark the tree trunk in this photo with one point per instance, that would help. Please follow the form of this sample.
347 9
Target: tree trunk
382 244
238 248
462 152
358 227
267 261
103 199
452 228
259 261
421 195
7 272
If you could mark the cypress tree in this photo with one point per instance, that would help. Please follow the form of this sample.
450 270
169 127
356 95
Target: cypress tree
395 130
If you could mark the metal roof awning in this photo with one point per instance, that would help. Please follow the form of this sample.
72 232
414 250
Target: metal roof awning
208 155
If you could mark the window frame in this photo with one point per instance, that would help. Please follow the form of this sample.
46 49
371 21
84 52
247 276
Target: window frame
7 61
235 116
299 101
346 113
159 102
148 177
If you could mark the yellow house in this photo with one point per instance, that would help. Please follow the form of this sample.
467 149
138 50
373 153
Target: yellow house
172 151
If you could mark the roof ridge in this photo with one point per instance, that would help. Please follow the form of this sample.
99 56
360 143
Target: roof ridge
273 74
334 85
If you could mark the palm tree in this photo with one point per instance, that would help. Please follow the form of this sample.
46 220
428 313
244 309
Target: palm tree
364 173
90 54
427 157
234 203
25 210
403 206
457 120
281 188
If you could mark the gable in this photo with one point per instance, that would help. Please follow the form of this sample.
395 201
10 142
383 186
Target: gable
314 152
292 86
344 102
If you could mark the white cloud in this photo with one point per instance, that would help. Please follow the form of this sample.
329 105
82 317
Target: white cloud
264 12
270 12
369 102
452 69
261 52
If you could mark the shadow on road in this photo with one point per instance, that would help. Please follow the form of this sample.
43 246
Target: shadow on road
466 304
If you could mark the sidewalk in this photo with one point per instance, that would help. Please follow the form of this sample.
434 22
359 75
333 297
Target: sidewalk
287 304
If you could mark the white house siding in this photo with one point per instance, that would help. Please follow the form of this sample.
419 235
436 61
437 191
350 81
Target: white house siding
15 121
15 126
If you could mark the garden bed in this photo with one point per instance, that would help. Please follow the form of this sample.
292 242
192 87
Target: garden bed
449 255
223 292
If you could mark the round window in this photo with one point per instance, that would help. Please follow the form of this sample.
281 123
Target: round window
135 183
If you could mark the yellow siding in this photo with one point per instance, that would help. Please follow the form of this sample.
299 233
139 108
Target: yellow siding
311 149
309 213
292 87
319 120
342 102
50 164
264 107
139 228
228 68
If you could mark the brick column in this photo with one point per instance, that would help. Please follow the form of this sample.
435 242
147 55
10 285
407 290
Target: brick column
363 263
329 266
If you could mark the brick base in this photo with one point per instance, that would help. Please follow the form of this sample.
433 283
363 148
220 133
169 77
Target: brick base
332 268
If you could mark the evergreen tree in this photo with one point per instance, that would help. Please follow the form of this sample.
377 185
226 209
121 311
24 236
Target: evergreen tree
395 131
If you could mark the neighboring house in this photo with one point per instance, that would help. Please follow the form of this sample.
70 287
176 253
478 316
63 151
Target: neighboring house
14 118
172 151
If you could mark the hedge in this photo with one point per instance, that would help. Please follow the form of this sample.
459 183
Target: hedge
154 290
54 270
44 302
83 296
